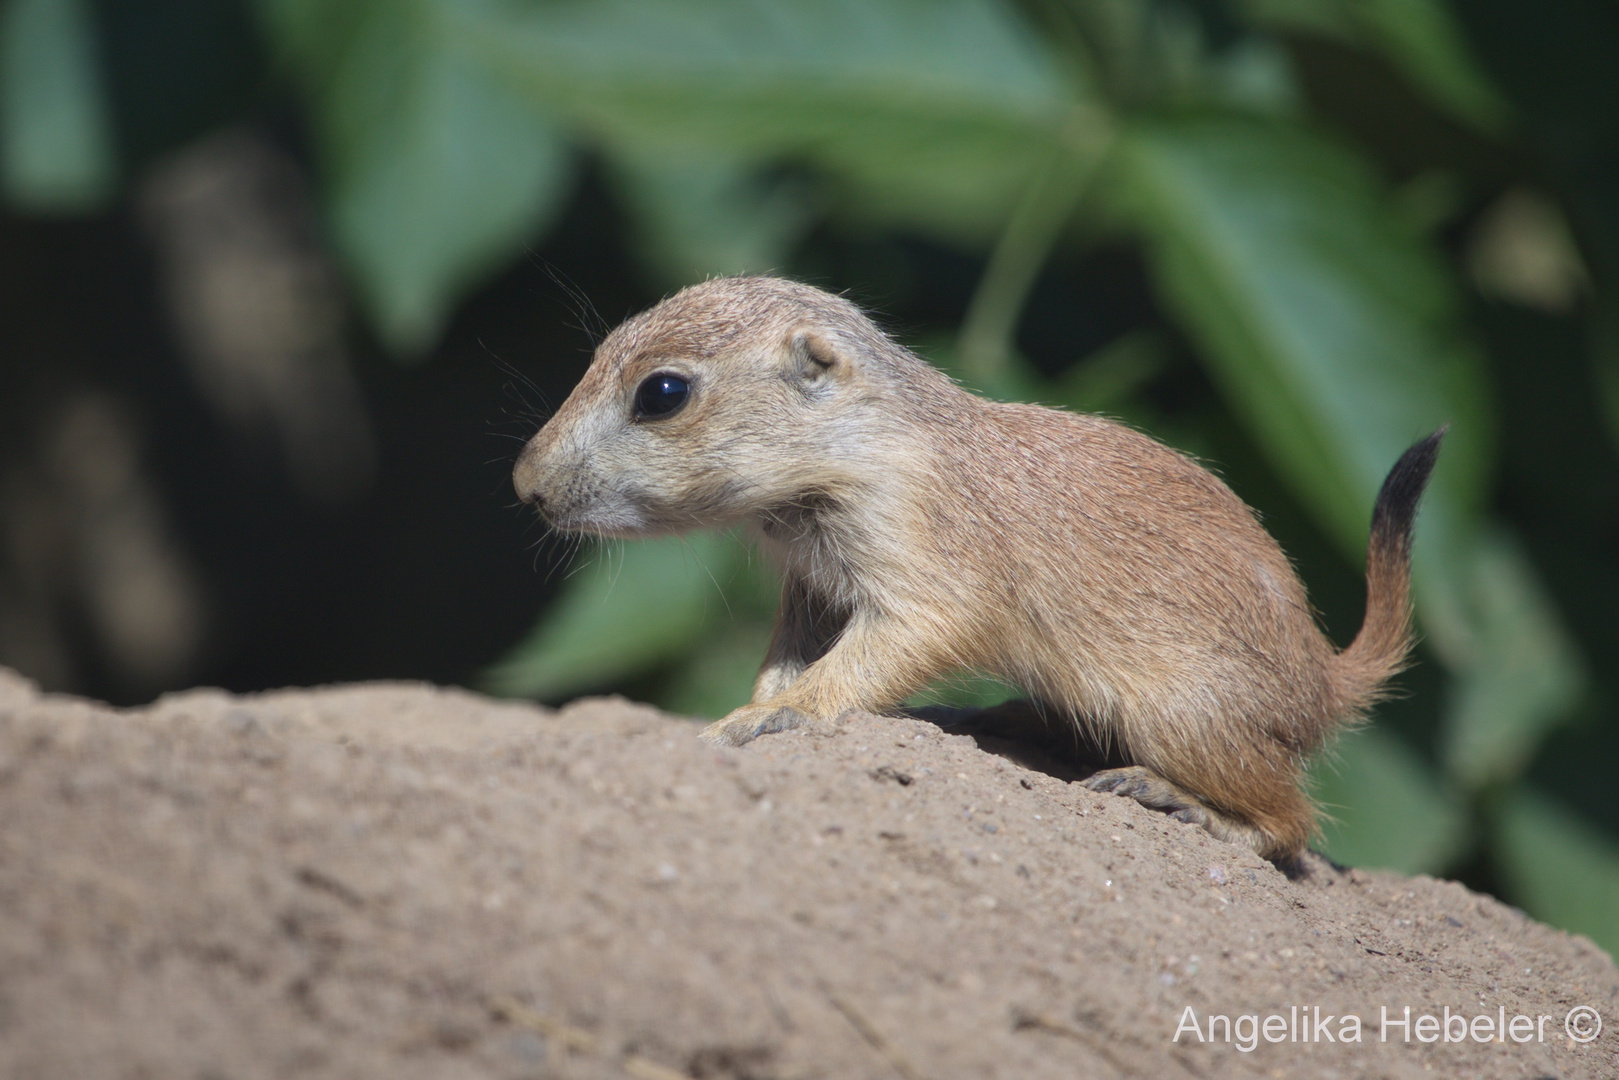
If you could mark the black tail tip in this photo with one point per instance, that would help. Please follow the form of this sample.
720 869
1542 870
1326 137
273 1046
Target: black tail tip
1396 506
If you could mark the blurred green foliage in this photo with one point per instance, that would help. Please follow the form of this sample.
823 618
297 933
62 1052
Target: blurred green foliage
57 145
1329 308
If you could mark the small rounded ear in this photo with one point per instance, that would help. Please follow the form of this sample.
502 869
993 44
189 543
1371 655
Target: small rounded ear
815 357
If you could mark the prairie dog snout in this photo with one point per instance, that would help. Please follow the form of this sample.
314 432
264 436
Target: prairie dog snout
920 529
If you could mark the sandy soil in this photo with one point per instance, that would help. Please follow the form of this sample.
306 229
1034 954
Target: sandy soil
403 881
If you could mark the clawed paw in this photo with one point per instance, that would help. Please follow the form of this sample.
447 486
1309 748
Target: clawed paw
1192 815
1150 790
750 721
1154 792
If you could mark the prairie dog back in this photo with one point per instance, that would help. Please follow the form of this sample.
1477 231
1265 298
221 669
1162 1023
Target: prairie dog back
920 530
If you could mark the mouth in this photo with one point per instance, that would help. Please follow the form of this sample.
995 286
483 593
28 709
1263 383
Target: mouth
620 524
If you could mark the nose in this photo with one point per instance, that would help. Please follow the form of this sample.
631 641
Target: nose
526 476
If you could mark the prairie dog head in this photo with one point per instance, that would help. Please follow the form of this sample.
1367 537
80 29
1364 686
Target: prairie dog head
725 400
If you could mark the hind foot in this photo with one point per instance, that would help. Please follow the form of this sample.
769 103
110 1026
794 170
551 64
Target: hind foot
1154 792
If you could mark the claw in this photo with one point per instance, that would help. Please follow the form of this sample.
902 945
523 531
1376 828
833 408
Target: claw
1107 780
1145 787
1155 793
749 722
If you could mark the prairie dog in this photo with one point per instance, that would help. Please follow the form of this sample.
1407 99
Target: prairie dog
921 529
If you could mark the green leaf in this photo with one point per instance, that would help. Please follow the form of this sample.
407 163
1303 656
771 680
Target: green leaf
931 114
699 216
1522 673
310 38
438 172
56 153
1328 325
1418 36
1422 37
934 112
1327 18
642 603
1558 867
1385 807
442 175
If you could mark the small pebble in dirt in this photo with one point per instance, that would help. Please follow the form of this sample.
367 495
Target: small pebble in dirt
527 1047
1217 874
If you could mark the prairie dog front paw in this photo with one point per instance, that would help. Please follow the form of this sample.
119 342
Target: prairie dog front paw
750 721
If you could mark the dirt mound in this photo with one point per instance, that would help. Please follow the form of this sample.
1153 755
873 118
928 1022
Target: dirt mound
403 881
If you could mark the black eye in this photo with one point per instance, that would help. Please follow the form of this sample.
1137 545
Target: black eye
661 395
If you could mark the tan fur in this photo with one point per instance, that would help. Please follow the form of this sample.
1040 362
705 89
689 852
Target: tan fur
922 530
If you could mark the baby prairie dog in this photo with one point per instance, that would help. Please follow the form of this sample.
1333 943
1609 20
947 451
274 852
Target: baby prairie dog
921 530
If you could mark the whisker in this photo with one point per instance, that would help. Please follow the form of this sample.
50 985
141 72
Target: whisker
580 305
707 570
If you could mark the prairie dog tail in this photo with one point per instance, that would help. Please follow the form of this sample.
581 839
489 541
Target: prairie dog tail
1378 652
